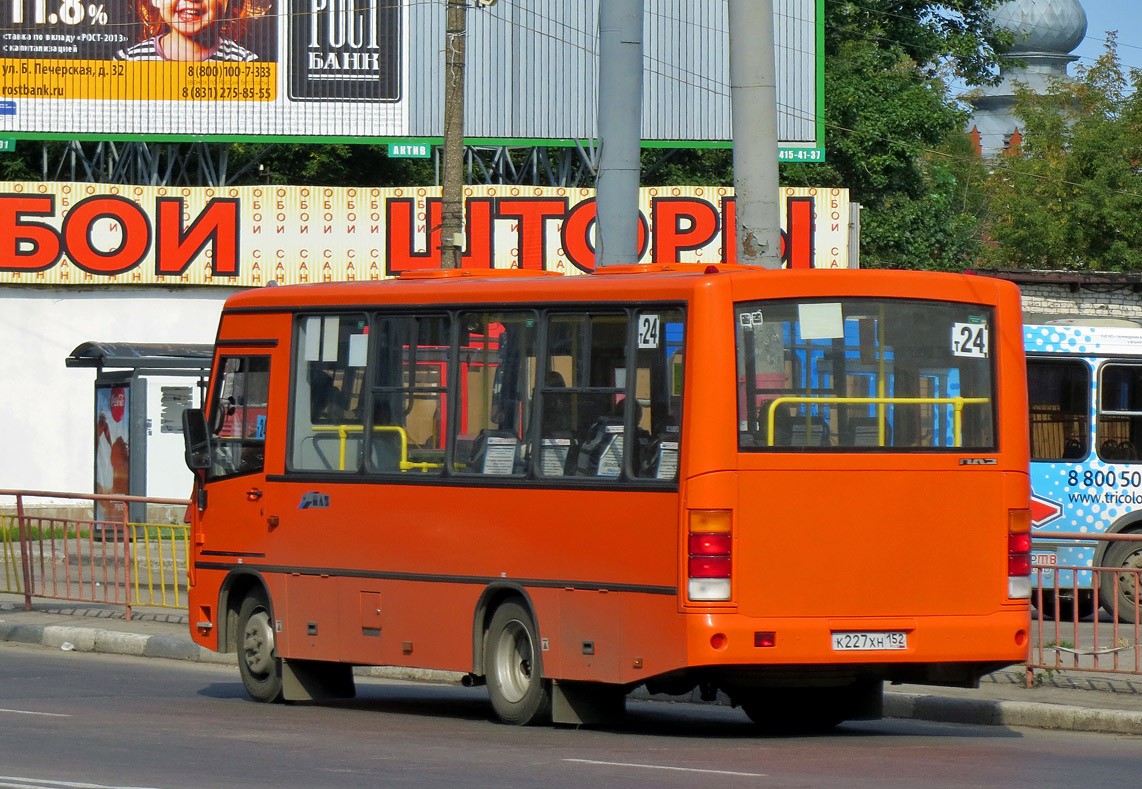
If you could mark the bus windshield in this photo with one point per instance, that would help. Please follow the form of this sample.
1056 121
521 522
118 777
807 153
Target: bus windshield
865 375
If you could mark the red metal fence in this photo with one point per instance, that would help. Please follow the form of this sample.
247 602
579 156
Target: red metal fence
1075 626
1087 627
87 560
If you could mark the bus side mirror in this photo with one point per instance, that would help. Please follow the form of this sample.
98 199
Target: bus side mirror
196 438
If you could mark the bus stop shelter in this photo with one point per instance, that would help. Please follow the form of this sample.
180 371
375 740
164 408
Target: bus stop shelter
120 418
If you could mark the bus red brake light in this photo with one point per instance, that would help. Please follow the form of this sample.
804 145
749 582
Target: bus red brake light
1018 565
1019 543
710 547
1019 554
711 544
709 567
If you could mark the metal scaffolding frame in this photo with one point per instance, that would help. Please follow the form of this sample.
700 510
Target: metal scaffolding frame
143 163
492 165
206 164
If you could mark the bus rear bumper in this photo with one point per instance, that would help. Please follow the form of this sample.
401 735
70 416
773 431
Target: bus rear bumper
940 650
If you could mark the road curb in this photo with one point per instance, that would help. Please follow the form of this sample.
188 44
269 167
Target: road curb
1034 715
112 642
175 648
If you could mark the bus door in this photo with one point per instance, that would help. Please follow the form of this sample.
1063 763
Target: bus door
237 421
317 498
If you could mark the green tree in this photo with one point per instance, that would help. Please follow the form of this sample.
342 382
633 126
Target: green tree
893 131
327 165
23 162
1071 196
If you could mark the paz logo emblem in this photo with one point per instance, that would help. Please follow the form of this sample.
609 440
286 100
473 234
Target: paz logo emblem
313 500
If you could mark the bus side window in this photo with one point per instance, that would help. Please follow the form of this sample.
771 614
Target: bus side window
1120 412
657 409
497 368
409 394
1059 398
330 357
238 416
581 432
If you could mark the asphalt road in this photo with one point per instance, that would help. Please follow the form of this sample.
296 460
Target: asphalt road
133 722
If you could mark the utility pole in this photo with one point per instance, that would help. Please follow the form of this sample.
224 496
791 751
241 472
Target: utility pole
452 188
753 99
620 132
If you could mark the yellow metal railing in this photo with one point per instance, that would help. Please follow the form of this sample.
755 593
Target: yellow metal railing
158 563
76 558
957 404
156 554
9 555
343 432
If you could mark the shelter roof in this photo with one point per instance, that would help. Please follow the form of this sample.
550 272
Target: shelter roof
149 356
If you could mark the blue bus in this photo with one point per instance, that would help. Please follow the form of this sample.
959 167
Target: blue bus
1084 381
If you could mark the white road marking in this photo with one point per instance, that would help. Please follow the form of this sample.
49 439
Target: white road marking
30 712
666 767
39 783
16 782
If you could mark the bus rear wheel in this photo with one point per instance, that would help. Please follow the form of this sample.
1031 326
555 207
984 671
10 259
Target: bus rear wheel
1065 606
812 710
519 693
258 662
1125 556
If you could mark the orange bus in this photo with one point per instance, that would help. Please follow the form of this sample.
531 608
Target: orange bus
787 486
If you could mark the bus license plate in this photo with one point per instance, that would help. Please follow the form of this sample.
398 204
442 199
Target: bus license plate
866 642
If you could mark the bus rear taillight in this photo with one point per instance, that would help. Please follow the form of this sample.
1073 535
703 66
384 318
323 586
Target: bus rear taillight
1019 554
710 565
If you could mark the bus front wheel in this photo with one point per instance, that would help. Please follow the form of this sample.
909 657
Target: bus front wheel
519 693
1127 557
258 662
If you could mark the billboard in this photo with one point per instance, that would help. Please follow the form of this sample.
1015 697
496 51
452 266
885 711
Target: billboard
373 71
101 234
230 68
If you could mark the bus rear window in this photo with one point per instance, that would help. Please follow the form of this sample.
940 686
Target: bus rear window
865 375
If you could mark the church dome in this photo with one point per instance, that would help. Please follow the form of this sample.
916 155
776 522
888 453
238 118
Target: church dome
1048 26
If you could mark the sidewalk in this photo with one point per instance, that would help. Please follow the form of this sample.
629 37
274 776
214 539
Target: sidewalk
1070 701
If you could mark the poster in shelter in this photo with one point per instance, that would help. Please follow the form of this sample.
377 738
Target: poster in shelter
112 448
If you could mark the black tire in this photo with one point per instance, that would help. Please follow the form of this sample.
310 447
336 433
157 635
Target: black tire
512 664
1128 556
258 660
1063 606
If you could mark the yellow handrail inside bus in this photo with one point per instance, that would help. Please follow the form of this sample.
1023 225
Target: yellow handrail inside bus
343 432
957 404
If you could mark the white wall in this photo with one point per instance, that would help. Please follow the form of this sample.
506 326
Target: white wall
46 408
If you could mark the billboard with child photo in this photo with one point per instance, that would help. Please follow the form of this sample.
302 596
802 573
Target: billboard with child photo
372 71
202 67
